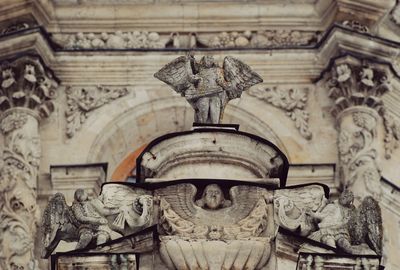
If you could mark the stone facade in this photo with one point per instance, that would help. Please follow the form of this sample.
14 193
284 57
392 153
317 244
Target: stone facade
77 91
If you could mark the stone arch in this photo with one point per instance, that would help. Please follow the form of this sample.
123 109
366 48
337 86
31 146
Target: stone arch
140 124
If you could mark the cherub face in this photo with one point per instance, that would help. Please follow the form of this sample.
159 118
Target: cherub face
213 196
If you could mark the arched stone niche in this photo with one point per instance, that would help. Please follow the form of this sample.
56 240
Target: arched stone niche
140 124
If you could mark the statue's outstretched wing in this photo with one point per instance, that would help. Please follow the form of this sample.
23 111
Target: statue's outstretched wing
58 223
181 199
244 200
175 74
369 225
239 76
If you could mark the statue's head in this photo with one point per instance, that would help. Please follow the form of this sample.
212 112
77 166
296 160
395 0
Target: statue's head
208 62
80 195
213 196
346 198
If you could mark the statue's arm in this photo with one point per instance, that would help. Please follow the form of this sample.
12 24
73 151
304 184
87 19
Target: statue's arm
81 217
189 71
323 213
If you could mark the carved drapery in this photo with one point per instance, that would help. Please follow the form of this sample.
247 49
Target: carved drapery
26 92
356 88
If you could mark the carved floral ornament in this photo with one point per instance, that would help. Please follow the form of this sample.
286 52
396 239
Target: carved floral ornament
25 83
82 102
292 100
155 40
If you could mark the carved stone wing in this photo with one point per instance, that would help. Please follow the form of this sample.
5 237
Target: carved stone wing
58 223
239 76
365 226
181 199
254 224
175 74
244 200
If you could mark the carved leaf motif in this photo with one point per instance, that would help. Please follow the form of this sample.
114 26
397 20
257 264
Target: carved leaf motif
392 133
293 101
81 102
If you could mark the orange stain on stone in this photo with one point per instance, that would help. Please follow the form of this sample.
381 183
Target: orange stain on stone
125 168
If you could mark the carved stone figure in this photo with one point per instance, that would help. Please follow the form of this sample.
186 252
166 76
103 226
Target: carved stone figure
337 224
211 232
213 198
91 216
356 231
118 209
206 86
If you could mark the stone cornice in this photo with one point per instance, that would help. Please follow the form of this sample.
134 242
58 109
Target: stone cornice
337 41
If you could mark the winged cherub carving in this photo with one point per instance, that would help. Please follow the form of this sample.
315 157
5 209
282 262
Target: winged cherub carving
354 230
118 209
207 86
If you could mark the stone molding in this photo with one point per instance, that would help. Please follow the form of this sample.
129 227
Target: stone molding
27 90
291 100
82 101
161 40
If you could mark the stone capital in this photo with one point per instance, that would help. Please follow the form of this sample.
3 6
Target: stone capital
27 84
354 82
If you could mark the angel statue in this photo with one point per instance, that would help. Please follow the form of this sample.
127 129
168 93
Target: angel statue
118 210
207 86
356 231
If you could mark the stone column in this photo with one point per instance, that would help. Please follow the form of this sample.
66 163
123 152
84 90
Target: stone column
27 88
356 86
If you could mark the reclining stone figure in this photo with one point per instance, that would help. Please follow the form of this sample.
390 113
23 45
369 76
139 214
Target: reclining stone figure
119 210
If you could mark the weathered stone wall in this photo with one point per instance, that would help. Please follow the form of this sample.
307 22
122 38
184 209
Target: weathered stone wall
109 104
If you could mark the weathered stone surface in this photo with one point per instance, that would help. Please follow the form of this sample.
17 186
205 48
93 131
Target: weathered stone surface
298 40
206 86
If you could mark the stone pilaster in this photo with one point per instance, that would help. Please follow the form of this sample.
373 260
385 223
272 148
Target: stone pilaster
27 88
356 87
